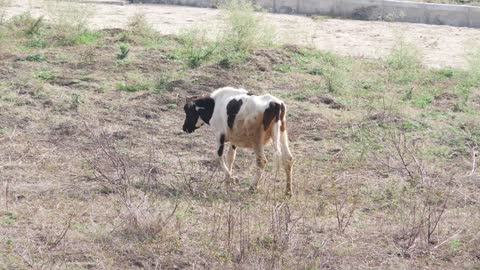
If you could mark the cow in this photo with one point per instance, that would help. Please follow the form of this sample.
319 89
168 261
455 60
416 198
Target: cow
245 121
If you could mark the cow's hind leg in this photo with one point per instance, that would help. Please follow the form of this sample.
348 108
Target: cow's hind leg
261 161
232 152
287 160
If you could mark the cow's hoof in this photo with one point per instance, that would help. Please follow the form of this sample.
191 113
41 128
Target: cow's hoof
288 194
236 180
252 190
233 180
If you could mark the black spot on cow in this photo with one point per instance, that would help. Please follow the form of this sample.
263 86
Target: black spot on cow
222 145
233 107
272 112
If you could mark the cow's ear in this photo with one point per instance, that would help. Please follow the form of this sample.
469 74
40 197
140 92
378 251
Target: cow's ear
189 99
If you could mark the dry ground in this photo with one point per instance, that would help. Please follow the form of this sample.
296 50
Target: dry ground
442 46
96 173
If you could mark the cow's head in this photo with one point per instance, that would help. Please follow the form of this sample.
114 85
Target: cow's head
198 111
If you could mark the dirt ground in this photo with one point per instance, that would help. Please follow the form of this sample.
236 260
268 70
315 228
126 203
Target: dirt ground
441 46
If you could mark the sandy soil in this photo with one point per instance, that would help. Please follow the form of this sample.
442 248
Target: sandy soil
441 46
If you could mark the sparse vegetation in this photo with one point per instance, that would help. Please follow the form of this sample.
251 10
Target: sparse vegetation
94 164
36 57
405 62
195 48
132 87
246 30
46 75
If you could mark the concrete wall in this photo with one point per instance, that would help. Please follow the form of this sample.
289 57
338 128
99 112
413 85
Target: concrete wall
388 10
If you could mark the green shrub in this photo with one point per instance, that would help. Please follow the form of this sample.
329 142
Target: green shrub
25 24
69 22
405 62
160 85
68 16
245 31
334 69
37 42
447 72
404 56
138 29
474 67
195 48
124 50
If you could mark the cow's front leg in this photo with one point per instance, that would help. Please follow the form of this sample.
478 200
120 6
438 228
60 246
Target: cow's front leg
221 160
261 161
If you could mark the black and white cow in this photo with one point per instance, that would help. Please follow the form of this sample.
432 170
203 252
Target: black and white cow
246 121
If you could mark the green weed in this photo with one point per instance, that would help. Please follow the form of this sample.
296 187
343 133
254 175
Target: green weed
447 72
87 37
195 48
69 16
38 57
80 37
8 219
334 69
405 62
172 106
134 87
411 126
124 50
75 101
140 31
455 245
160 85
474 67
46 75
285 68
36 42
403 56
423 100
25 24
245 31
